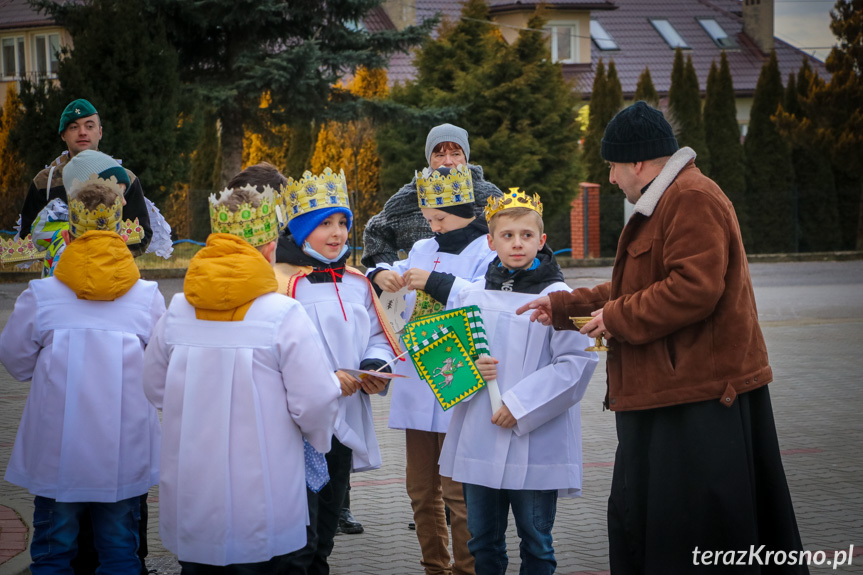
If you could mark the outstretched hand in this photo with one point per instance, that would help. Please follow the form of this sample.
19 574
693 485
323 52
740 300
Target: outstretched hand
541 310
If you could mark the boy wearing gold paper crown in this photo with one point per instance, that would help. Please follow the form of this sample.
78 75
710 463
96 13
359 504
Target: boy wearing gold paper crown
240 375
88 443
356 334
528 452
437 269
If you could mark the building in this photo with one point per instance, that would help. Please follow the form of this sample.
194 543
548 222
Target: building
635 34
30 43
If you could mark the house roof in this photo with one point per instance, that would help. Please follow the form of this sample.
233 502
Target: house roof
498 6
19 14
642 46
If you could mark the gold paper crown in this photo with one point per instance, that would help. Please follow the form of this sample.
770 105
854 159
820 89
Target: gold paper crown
515 198
257 225
19 250
24 250
102 217
437 191
311 192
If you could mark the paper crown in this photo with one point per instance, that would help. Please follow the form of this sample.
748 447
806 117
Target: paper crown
514 198
24 250
435 190
257 225
311 192
102 217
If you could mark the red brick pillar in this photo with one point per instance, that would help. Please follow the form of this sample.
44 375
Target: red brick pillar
584 220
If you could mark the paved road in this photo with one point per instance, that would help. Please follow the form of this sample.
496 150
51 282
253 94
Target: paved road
812 317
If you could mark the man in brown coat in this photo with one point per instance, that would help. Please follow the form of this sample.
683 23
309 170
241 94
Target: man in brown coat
697 466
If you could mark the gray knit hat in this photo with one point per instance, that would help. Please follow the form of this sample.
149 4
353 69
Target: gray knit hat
636 134
447 133
87 162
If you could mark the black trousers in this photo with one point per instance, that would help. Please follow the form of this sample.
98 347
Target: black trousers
704 477
324 508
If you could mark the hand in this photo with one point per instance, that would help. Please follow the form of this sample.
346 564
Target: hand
372 384
487 367
415 278
503 417
349 383
596 326
541 310
389 281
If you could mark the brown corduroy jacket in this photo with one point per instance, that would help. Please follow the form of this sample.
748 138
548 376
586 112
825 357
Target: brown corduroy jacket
680 304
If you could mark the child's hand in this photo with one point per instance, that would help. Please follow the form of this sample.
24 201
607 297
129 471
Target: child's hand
349 383
415 278
372 385
389 281
503 418
487 367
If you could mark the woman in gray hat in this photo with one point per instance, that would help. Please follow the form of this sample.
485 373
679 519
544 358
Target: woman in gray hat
401 223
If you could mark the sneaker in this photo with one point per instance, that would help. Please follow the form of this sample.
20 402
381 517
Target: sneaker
347 523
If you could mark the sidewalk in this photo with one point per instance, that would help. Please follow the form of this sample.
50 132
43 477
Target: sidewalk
812 317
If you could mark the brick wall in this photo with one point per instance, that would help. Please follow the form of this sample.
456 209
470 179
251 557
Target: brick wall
585 247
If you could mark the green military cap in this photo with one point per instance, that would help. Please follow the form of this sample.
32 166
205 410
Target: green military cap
75 111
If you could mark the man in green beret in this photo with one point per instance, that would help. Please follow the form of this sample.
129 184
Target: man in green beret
81 129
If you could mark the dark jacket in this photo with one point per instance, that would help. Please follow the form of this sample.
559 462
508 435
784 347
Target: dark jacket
680 305
40 192
401 224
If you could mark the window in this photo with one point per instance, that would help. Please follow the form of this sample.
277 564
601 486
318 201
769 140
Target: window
45 49
13 57
562 41
601 38
669 34
715 31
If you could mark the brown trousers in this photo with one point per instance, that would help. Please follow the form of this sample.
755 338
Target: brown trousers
428 492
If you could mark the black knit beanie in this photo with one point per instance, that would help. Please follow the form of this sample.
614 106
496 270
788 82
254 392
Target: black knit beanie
638 133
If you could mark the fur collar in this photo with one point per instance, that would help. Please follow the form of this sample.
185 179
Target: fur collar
647 202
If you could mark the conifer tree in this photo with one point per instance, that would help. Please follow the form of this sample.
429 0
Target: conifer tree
13 178
837 111
123 64
769 195
645 89
234 51
684 104
512 100
814 199
722 136
204 171
611 199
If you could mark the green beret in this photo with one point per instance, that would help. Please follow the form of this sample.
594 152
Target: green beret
75 111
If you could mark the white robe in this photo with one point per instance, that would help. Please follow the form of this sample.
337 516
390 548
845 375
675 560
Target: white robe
413 405
87 432
542 375
236 400
348 343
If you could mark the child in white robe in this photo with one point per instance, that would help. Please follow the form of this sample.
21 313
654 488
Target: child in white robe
311 267
241 377
88 443
437 268
529 451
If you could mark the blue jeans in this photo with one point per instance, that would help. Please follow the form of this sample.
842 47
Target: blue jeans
115 536
487 516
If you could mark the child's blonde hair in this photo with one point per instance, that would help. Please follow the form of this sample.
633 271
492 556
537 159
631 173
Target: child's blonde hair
514 213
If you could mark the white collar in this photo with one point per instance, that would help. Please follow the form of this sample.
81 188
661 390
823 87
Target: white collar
648 200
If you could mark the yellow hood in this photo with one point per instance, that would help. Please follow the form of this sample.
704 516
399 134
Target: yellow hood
98 266
225 277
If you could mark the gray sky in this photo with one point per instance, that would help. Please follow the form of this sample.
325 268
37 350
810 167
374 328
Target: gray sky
805 24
